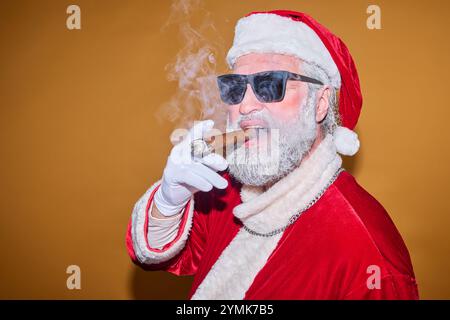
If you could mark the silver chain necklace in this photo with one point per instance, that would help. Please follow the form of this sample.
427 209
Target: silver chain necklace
297 215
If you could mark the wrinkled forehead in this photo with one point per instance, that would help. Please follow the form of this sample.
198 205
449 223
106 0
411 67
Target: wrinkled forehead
257 62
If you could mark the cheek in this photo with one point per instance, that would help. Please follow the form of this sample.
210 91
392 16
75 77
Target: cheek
288 109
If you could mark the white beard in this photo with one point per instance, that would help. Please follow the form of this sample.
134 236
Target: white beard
287 144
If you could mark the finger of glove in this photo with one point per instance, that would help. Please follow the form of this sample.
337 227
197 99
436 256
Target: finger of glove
198 182
210 175
215 162
181 154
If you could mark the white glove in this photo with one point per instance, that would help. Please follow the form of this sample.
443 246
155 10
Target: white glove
184 175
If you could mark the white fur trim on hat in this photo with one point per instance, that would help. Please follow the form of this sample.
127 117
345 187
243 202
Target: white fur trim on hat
346 141
271 33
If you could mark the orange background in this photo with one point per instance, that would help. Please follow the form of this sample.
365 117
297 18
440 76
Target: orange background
80 141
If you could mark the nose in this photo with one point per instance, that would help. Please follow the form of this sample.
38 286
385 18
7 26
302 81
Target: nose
250 103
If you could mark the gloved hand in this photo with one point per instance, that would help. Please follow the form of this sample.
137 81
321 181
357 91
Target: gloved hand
183 175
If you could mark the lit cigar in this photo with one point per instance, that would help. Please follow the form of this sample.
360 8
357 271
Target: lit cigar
219 143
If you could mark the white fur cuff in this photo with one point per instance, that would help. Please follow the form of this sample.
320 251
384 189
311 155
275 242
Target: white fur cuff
139 229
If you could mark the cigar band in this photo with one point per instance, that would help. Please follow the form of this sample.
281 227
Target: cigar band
200 148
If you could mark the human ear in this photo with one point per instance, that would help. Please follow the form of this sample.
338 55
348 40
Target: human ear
323 102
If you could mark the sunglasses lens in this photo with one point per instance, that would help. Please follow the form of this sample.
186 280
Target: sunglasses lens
232 88
269 86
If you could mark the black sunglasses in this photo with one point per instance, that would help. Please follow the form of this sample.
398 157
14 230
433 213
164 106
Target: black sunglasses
268 86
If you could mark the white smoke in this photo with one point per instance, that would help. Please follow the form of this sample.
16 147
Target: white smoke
195 67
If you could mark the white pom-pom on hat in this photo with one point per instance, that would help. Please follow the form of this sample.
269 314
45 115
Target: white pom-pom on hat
346 141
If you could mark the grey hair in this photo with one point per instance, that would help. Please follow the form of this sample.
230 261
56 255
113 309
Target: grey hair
332 118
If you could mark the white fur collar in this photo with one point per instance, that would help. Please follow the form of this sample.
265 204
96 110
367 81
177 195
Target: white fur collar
235 270
269 210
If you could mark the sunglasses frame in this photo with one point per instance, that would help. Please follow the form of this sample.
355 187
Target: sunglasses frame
250 78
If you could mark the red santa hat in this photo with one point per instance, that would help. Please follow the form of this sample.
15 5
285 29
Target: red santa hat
297 34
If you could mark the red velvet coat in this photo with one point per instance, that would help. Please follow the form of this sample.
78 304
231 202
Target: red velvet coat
343 247
325 254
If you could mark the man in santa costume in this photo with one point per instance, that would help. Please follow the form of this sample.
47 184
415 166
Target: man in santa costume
306 230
